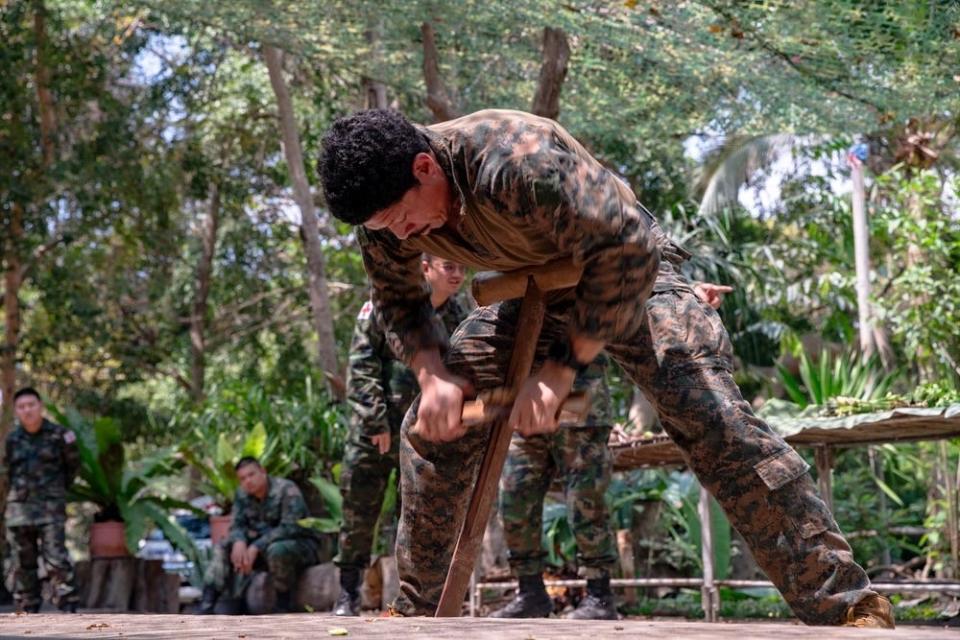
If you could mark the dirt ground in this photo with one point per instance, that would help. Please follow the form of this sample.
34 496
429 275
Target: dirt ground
130 626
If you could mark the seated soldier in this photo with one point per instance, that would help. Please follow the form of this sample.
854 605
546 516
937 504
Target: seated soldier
264 535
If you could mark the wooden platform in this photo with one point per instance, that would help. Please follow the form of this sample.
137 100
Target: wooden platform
314 626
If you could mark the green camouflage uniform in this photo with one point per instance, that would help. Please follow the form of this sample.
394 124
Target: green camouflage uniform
580 458
380 389
271 525
529 193
41 467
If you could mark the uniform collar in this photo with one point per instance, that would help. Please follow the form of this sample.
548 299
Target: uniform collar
445 159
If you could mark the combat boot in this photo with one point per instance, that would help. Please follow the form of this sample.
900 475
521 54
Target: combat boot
282 604
31 608
874 612
531 600
348 602
68 606
208 601
598 604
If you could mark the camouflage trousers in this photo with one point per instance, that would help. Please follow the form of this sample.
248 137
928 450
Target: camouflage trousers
363 485
284 560
581 459
28 543
682 360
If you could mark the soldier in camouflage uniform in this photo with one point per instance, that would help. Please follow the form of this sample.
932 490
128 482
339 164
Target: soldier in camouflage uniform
265 534
505 190
41 462
579 456
380 389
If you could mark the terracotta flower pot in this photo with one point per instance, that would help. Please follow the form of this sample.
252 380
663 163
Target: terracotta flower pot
107 540
219 527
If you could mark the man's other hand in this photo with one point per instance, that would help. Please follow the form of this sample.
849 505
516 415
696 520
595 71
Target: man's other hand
711 294
538 403
382 442
237 553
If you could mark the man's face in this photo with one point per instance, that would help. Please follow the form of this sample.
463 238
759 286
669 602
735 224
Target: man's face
422 208
445 276
253 479
29 412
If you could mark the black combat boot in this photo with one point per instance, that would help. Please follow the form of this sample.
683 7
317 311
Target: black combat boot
348 602
531 600
208 601
598 603
67 606
31 608
282 604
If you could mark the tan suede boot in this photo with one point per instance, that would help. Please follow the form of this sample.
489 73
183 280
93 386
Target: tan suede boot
874 612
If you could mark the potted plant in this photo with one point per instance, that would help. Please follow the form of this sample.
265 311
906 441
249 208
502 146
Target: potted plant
122 489
218 473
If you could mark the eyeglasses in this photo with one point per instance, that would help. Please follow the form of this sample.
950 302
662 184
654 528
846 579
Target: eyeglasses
449 267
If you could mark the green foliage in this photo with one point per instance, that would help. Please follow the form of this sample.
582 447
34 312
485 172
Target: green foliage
333 503
922 306
831 377
296 431
218 469
125 490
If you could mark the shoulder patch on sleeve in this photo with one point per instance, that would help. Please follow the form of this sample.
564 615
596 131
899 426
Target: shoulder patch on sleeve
69 437
365 310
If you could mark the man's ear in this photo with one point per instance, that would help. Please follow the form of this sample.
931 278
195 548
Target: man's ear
424 166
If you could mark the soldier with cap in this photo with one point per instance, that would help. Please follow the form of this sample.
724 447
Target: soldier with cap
41 462
506 190
265 534
379 390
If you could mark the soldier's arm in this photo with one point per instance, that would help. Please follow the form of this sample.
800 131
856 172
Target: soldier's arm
365 373
592 216
71 457
400 295
238 523
292 510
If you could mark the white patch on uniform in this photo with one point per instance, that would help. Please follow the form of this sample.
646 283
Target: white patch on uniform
365 310
69 437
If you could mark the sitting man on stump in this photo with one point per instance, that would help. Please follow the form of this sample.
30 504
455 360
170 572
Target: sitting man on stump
506 190
265 535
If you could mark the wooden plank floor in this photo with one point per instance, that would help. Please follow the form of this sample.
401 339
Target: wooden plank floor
132 626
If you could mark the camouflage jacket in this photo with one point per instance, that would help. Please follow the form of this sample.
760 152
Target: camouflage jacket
528 193
276 517
41 467
380 388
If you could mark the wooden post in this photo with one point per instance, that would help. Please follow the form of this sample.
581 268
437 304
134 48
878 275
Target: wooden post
628 566
532 310
709 594
823 456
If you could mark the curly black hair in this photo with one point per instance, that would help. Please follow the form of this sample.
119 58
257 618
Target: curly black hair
367 162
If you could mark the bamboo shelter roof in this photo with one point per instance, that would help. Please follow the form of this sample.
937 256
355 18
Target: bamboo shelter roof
898 425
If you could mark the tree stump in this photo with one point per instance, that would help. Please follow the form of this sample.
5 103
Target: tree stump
317 590
127 584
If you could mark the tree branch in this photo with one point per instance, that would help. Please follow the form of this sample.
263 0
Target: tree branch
438 98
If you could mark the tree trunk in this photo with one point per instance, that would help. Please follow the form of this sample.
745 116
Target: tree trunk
438 98
873 338
11 319
198 316
48 122
374 91
318 290
553 71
